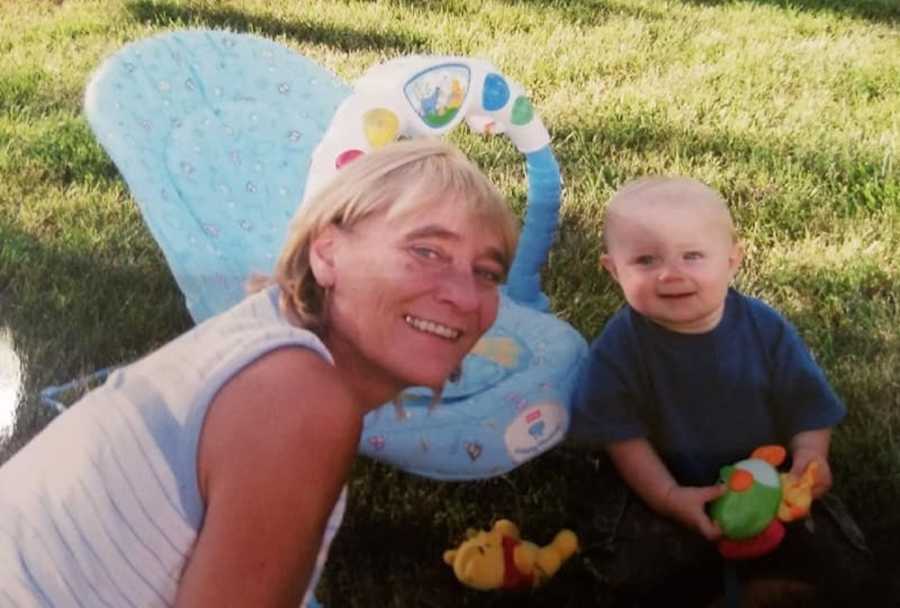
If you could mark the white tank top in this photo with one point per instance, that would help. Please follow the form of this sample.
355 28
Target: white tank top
102 507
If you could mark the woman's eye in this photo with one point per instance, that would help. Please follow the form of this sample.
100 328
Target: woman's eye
489 275
426 252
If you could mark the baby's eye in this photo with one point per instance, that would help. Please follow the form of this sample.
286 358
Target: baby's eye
693 255
644 260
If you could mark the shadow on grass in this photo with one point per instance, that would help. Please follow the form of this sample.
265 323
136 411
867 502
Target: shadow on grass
864 460
168 14
589 12
847 316
883 11
581 293
457 9
401 524
71 312
579 12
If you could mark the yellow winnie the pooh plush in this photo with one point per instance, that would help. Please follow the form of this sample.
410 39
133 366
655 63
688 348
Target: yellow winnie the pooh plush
500 559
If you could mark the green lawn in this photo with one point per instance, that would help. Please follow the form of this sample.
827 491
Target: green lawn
790 108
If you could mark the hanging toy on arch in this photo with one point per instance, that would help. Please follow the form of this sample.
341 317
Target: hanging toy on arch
423 96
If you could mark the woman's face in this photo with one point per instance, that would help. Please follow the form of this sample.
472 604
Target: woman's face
409 296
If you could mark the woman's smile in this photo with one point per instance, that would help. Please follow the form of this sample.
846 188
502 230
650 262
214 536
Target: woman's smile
433 327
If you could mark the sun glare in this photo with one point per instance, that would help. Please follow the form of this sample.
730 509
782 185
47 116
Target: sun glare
10 382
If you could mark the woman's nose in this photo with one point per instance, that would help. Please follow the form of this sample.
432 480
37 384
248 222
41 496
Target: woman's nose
461 289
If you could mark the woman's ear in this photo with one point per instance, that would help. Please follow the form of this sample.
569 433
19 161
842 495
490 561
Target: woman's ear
322 257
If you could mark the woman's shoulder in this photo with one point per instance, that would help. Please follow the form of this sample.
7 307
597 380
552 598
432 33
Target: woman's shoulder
299 384
290 365
290 401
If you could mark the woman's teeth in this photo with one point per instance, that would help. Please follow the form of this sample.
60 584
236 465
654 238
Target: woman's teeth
431 327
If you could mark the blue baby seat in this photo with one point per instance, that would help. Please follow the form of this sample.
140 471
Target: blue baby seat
219 136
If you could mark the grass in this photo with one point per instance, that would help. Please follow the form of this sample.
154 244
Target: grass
788 107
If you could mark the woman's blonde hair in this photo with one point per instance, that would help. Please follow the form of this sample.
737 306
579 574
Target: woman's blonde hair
401 178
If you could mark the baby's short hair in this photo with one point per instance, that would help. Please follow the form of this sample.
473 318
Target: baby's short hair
642 186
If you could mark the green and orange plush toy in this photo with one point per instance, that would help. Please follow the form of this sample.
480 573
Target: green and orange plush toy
757 500
499 559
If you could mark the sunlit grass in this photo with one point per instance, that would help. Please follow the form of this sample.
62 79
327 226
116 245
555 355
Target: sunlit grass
789 108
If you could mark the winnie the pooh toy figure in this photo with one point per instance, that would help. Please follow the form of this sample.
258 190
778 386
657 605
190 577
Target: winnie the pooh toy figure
500 559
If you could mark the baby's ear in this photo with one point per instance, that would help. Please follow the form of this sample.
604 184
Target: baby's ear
736 257
609 264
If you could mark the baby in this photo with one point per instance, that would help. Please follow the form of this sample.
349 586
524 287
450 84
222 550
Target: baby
691 375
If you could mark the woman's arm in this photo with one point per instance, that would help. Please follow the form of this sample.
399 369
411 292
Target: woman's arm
275 449
646 474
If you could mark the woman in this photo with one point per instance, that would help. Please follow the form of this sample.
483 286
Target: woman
205 473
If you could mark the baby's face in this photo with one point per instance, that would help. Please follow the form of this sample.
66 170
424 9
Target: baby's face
674 255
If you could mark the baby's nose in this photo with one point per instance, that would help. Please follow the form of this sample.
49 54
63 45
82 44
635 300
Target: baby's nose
669 272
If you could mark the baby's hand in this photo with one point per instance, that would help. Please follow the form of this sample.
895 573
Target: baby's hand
802 459
687 505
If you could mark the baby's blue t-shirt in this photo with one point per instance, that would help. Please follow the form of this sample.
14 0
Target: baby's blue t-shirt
703 400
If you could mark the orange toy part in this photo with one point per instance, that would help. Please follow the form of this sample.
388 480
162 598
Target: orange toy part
773 454
740 480
796 493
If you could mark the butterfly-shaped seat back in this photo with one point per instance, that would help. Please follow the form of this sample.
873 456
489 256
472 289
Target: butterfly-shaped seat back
213 132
